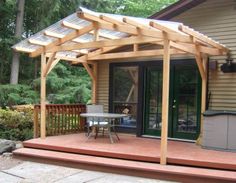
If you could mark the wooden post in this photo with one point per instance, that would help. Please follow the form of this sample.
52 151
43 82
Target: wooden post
43 98
204 96
165 100
94 87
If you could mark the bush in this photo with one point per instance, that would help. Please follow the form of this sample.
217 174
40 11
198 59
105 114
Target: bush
16 125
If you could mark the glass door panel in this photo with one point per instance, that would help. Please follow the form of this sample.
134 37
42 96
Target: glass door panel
153 102
186 102
125 93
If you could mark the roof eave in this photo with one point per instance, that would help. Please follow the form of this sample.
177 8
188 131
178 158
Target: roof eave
176 9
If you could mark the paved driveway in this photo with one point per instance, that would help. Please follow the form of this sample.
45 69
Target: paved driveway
31 172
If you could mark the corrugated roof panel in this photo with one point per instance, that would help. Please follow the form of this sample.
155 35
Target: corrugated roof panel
60 31
26 45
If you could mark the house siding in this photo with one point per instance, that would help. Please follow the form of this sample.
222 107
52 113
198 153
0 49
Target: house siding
217 19
214 18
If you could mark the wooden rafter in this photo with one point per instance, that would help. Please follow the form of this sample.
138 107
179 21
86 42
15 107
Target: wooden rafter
161 27
133 30
202 38
53 34
37 42
104 43
134 23
111 20
66 38
24 50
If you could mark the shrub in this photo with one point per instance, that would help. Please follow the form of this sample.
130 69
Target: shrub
16 125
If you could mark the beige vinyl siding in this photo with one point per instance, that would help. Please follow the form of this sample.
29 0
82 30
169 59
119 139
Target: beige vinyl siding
217 19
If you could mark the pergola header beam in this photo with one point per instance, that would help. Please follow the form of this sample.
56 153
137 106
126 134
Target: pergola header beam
133 54
104 43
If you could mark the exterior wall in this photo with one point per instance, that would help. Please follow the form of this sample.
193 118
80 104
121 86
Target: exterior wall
217 19
103 80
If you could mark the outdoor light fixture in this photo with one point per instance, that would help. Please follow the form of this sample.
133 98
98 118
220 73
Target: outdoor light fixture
229 66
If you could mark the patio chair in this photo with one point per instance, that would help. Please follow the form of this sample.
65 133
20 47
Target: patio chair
96 123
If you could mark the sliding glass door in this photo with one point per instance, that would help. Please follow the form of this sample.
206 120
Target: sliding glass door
125 93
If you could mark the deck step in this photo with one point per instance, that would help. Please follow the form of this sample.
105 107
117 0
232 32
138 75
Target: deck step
144 169
174 160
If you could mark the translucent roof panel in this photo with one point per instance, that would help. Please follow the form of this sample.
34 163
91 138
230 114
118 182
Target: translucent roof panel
68 25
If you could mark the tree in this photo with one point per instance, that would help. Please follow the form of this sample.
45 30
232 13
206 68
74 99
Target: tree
74 84
18 31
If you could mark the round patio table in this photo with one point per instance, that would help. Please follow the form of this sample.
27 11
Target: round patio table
108 116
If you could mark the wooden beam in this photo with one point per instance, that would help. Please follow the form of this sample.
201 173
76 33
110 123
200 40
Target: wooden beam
145 32
202 49
134 23
95 53
111 20
131 29
96 34
90 17
182 47
54 63
203 38
165 101
71 59
123 55
89 70
161 27
43 98
135 47
198 58
70 25
204 97
75 26
104 43
37 42
62 40
21 49
53 34
49 64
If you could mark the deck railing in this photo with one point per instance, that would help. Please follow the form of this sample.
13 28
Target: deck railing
60 119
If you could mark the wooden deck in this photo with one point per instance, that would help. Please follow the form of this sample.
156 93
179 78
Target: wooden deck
133 150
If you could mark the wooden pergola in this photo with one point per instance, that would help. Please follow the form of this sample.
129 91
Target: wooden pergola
88 37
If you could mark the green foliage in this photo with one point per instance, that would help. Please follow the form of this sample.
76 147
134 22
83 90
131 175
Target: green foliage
16 125
65 84
17 94
141 8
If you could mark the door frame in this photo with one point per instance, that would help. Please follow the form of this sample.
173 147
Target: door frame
142 65
141 84
172 122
